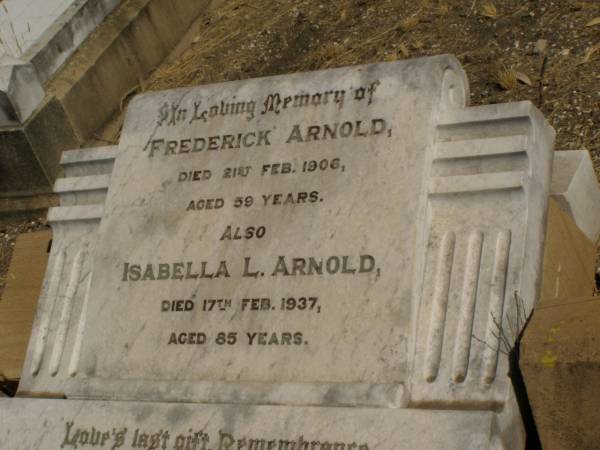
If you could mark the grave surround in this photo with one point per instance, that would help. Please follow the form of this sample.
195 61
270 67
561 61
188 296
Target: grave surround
36 38
50 99
344 253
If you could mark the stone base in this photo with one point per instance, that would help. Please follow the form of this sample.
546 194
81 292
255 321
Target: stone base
30 424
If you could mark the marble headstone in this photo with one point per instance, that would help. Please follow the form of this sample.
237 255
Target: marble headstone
329 260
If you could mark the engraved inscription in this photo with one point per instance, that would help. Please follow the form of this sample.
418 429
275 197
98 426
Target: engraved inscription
192 439
210 171
258 226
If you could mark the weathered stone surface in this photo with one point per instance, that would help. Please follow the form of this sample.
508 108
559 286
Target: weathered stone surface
49 133
20 91
575 187
45 33
69 424
26 24
59 41
123 50
358 242
560 361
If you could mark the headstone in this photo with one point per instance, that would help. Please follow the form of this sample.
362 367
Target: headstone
327 260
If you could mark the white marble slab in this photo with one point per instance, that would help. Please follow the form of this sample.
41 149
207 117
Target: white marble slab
402 248
348 218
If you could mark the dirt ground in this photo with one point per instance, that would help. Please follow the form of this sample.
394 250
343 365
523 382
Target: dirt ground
545 51
9 230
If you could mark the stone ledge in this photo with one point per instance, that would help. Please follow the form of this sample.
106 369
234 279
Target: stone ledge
222 425
117 56
61 40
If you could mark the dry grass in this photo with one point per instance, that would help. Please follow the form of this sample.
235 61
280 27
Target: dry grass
507 78
489 10
403 49
409 23
443 9
327 54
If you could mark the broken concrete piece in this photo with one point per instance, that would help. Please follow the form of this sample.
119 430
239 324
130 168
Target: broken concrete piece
575 188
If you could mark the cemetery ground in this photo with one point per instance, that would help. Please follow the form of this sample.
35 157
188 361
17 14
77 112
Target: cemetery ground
546 52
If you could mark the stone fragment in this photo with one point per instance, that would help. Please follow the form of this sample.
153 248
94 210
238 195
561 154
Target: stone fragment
575 188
